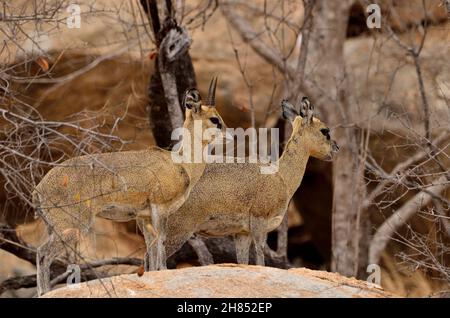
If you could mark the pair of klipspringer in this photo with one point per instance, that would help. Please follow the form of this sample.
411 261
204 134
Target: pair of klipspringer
171 201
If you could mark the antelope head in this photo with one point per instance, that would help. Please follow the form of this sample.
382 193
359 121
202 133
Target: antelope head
205 111
309 129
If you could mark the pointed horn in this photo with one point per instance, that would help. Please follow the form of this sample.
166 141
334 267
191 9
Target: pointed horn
211 99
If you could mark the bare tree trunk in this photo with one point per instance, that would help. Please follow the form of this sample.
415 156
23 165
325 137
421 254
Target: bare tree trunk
327 83
170 79
336 98
174 74
365 236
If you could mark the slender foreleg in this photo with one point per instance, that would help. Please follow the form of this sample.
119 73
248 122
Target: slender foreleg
160 222
46 254
258 228
150 237
242 243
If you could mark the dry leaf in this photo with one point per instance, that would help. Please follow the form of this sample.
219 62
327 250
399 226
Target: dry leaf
243 108
140 271
77 197
65 180
43 63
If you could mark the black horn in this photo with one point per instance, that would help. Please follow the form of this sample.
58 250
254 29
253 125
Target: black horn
211 99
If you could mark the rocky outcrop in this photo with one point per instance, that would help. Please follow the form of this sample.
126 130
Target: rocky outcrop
225 280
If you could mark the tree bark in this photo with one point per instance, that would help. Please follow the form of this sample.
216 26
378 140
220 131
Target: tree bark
327 84
163 116
327 57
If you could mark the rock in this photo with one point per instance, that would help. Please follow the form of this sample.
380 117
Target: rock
224 280
386 85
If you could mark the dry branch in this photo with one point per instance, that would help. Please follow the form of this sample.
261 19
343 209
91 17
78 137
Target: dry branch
394 175
306 33
10 242
174 45
200 248
253 39
88 272
400 217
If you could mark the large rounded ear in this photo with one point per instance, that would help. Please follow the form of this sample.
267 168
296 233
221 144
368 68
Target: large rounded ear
289 111
192 100
306 109
184 100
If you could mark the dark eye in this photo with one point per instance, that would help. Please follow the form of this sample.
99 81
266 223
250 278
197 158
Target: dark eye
326 132
214 120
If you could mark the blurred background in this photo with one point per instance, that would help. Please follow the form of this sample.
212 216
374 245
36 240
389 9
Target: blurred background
383 91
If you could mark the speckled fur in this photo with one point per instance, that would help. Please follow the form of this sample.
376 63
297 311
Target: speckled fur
236 199
146 184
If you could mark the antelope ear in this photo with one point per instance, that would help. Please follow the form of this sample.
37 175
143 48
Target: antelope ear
306 109
192 100
184 101
195 108
289 111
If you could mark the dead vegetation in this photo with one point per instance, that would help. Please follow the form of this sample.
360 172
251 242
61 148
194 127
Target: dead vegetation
72 93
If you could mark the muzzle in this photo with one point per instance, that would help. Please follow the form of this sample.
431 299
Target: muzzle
334 147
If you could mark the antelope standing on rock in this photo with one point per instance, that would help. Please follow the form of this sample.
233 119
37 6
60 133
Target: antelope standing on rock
144 185
248 204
